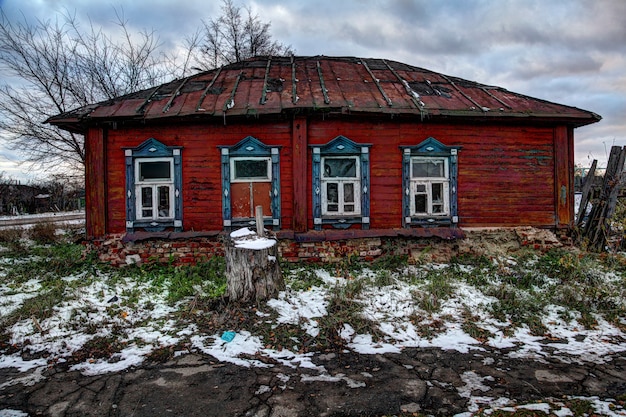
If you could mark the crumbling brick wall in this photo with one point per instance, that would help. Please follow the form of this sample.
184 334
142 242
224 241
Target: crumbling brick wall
180 249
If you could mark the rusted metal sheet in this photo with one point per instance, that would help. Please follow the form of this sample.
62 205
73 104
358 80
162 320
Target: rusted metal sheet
264 85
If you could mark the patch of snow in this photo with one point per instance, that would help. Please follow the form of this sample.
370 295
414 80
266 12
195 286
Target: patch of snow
292 307
12 298
7 412
243 232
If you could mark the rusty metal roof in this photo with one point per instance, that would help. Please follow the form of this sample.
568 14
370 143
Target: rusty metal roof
347 85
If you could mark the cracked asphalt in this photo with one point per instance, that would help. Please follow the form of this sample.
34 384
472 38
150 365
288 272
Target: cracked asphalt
428 381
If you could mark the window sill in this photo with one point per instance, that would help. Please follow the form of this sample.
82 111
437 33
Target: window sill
429 221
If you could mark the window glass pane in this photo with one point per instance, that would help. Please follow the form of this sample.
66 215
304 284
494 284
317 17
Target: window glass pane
348 208
146 202
164 201
434 168
437 192
251 168
420 188
420 203
420 169
348 193
150 171
332 192
339 167
332 196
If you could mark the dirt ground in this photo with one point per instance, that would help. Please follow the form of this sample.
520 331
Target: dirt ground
425 381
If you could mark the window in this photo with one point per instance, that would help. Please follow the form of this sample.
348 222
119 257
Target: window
429 184
155 188
341 184
153 182
250 177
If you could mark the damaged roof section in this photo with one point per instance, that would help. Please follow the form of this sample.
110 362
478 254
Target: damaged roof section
348 85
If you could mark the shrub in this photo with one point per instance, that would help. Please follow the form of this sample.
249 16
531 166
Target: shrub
11 238
44 233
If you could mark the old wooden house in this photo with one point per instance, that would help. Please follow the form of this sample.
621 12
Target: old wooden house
331 147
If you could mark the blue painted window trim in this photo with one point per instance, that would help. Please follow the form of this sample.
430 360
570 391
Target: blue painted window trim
430 147
341 146
152 148
250 147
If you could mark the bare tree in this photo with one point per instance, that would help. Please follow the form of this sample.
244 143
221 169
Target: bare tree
235 36
56 66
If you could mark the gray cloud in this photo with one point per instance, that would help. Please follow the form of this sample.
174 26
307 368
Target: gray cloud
568 51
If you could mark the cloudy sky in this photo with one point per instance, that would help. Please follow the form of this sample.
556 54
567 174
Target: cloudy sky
571 52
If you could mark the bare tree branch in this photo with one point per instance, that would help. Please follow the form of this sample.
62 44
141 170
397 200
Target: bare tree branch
233 37
56 66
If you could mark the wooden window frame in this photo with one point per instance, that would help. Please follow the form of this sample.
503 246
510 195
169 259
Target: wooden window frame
340 181
430 149
341 147
428 183
152 150
250 148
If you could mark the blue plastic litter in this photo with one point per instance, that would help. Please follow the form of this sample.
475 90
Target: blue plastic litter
228 336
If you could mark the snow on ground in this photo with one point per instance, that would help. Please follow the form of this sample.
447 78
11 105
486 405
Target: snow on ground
40 216
141 318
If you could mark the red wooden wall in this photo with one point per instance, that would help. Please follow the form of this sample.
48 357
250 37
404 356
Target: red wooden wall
202 176
508 175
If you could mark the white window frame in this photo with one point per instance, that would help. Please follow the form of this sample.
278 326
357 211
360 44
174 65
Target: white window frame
154 184
356 184
268 163
428 183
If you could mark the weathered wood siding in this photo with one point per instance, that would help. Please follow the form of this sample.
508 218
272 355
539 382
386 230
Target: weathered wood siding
202 182
508 175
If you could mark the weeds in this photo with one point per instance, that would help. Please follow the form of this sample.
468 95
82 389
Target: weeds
44 262
99 347
38 308
471 327
438 287
206 279
303 278
344 309
12 238
44 233
383 278
391 262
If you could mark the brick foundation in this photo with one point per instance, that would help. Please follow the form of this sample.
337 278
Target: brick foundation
188 248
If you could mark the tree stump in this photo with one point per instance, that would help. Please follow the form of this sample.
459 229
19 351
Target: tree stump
252 268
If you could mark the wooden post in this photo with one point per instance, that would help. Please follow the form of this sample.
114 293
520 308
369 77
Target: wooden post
300 169
260 228
586 192
597 228
95 183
